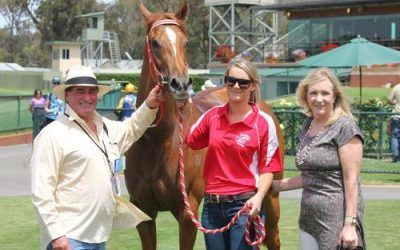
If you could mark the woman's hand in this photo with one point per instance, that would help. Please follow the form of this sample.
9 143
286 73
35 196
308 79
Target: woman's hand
348 237
276 186
255 202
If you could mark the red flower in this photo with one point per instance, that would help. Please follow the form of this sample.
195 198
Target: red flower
225 52
329 46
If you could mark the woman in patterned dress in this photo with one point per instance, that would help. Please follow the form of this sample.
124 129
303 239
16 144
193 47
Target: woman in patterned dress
329 157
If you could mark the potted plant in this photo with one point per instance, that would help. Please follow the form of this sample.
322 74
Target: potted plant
224 53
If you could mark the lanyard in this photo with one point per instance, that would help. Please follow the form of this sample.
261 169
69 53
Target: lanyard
103 151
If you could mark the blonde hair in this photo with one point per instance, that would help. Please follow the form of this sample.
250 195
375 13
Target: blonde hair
341 106
251 71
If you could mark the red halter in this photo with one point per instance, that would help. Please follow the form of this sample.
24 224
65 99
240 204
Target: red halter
154 71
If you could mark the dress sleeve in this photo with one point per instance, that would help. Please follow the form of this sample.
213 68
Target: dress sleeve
348 129
199 133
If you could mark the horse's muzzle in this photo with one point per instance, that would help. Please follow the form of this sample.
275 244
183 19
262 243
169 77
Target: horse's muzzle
180 88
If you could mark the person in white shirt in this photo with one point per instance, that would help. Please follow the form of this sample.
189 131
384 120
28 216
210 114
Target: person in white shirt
73 164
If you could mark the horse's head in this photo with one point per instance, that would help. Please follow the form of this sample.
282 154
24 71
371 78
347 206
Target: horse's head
166 50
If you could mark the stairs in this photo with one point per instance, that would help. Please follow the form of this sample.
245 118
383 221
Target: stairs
112 39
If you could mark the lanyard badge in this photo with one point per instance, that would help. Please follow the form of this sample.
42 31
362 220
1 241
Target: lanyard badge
117 167
116 185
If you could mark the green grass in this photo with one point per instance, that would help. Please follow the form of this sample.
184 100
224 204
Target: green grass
19 230
5 92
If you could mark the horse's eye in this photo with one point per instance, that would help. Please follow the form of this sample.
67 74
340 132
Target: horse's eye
155 44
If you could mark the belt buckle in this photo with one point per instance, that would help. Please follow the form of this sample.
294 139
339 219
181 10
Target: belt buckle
217 197
214 198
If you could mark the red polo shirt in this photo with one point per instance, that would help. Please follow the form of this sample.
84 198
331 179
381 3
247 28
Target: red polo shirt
237 153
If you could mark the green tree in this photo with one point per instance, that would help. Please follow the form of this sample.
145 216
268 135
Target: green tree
57 18
124 17
13 15
197 27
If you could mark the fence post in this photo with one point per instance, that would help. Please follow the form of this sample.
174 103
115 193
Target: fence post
19 111
380 138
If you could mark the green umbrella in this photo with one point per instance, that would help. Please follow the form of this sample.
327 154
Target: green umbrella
359 52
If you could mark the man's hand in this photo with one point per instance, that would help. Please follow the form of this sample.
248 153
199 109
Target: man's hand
155 97
61 243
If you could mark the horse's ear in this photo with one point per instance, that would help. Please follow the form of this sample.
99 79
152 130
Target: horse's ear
181 14
146 13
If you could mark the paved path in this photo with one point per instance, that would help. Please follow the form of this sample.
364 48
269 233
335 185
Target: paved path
14 177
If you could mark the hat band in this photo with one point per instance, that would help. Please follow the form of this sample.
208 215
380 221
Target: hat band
82 80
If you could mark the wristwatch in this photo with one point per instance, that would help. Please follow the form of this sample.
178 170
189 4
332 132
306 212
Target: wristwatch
350 220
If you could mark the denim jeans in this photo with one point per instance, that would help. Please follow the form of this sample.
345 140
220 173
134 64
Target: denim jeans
395 136
80 245
217 215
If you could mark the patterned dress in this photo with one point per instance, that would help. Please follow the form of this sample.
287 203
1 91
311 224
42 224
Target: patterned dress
323 199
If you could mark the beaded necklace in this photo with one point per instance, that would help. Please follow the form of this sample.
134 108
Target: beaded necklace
305 150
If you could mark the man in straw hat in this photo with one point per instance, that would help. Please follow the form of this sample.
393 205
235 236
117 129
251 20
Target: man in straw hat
74 164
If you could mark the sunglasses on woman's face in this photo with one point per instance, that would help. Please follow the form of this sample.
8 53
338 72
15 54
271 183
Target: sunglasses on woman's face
243 83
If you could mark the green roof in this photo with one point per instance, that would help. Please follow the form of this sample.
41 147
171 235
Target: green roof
283 72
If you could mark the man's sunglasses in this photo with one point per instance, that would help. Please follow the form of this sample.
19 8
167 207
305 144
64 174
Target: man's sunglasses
231 81
56 83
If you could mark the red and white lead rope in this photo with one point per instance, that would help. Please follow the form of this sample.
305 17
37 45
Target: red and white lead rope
258 223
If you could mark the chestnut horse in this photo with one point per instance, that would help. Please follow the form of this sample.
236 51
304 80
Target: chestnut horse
152 171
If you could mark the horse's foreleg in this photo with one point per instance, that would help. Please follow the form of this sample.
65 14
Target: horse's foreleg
147 233
187 230
272 213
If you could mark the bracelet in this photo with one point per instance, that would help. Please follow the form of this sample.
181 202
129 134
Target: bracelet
351 220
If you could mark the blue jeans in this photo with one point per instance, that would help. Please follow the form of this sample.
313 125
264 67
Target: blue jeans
217 215
80 245
395 136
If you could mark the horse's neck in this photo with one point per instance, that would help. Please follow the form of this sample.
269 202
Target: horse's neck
145 82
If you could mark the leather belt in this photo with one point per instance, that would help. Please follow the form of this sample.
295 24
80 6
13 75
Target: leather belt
218 198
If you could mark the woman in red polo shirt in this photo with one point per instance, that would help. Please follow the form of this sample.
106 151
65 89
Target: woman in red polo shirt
242 156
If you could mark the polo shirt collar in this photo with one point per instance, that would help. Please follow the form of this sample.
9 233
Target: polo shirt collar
250 121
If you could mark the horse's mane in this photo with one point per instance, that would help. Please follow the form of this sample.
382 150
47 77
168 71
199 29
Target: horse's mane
160 16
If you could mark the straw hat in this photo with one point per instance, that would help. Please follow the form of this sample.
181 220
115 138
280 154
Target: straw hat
80 76
208 84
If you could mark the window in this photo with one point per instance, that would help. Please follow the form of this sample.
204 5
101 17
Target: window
94 23
55 54
65 54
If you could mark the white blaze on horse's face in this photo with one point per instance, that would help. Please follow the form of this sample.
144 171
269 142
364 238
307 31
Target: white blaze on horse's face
172 38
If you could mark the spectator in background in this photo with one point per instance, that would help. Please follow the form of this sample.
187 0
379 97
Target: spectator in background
36 107
53 105
207 84
394 98
127 103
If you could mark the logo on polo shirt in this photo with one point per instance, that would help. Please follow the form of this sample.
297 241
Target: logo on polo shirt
242 139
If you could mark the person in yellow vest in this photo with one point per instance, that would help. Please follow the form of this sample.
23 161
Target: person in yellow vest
127 103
